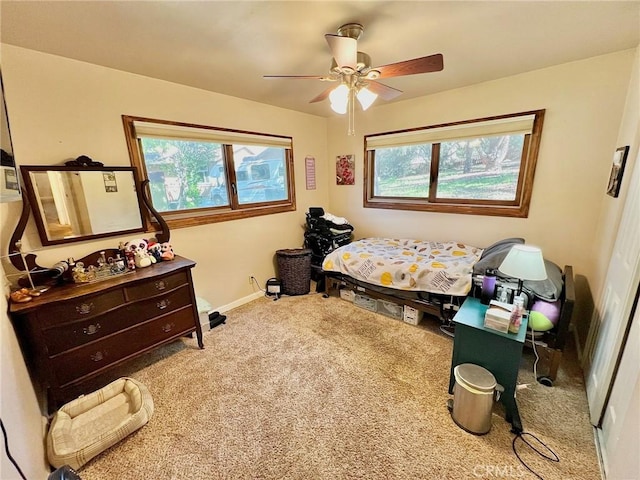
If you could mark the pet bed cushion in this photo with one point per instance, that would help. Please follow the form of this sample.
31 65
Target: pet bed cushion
90 424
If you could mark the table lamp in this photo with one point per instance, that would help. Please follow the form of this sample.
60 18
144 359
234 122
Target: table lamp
524 262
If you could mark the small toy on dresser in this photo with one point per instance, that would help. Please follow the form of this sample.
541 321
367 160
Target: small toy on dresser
155 249
166 251
140 249
21 296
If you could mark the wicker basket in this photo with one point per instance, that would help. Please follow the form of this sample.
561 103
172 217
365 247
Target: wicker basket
294 267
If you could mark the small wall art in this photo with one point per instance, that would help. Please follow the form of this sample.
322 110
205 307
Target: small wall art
345 170
617 169
310 172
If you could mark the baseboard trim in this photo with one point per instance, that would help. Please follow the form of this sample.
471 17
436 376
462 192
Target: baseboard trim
599 452
204 319
579 347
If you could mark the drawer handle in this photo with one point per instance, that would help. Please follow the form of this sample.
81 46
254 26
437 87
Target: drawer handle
160 285
98 356
162 304
168 327
84 308
91 329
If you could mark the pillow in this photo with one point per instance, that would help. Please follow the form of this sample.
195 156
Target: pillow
549 289
493 255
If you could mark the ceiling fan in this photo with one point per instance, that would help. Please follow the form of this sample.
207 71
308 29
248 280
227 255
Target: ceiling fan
356 75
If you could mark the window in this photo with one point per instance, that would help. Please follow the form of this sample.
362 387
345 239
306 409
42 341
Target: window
199 174
481 167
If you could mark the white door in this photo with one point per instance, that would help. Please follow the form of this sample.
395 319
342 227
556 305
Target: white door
612 313
620 431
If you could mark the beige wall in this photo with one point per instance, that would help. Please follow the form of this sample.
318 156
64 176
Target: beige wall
611 211
584 103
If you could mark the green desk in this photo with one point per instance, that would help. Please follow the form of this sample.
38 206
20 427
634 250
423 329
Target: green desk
498 352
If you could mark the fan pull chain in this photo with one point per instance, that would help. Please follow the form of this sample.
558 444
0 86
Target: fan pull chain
351 113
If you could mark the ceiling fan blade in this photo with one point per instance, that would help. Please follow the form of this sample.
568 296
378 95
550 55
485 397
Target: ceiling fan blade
322 95
343 49
383 91
299 77
432 63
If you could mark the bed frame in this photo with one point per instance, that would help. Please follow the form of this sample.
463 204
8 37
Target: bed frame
440 306
549 345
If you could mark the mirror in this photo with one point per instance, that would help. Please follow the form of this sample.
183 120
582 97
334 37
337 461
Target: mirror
9 184
72 203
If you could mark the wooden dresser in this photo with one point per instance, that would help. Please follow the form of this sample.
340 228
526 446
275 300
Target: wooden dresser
73 333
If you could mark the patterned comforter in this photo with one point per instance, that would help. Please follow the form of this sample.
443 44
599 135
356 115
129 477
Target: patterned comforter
406 264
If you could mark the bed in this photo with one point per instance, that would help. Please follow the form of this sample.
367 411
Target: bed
436 277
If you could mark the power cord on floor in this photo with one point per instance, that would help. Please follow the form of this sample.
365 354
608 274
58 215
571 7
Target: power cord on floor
6 449
521 435
535 364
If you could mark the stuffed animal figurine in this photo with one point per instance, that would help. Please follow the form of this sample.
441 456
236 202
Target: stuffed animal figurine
155 250
139 247
167 251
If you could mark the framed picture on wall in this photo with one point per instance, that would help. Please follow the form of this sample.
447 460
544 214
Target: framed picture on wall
617 169
345 170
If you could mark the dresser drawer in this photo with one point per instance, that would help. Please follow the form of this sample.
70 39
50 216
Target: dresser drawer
85 307
168 326
95 356
159 305
154 287
59 339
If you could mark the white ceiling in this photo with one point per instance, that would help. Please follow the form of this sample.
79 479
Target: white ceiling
226 47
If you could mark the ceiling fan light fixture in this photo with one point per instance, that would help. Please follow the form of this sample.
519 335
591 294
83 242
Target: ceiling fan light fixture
366 97
357 78
339 98
340 108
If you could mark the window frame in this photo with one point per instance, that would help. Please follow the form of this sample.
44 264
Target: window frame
519 207
214 214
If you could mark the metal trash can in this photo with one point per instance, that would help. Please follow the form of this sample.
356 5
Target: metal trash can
474 392
294 268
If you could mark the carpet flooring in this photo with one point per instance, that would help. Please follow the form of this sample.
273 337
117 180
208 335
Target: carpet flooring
313 388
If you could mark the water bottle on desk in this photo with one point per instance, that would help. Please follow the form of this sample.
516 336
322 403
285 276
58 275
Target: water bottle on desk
488 286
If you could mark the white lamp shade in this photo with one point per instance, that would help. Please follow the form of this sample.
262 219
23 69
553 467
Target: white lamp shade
524 262
339 98
366 97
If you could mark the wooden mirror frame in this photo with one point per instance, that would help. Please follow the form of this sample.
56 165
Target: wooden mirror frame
28 261
32 193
